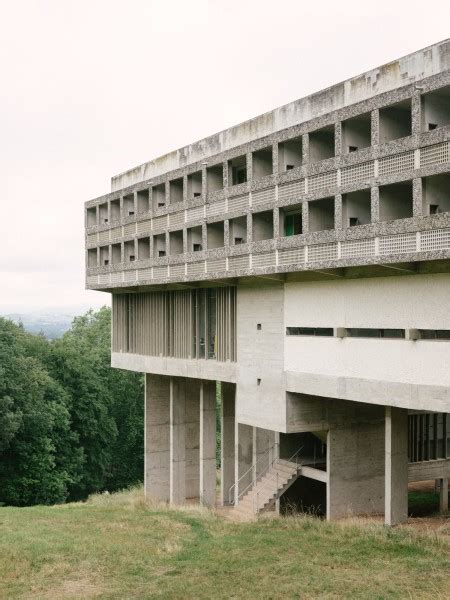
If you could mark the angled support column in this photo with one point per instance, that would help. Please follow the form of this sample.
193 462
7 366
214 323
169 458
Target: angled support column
227 440
157 437
396 466
177 440
208 443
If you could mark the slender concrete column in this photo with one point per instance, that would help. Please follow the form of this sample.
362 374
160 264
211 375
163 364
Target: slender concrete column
227 440
157 436
192 436
177 440
396 466
443 496
208 443
243 456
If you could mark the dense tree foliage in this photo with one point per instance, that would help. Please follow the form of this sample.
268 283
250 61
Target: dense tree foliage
69 424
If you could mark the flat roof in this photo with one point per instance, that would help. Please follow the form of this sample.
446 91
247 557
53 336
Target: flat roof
413 67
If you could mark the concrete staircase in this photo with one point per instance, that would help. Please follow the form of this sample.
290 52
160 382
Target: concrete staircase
266 491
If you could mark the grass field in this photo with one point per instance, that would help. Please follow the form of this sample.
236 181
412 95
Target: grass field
120 546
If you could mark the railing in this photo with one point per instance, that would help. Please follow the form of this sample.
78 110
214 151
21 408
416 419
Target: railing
270 455
277 260
274 478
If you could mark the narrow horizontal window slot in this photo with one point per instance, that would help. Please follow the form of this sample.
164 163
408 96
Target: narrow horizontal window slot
376 333
316 331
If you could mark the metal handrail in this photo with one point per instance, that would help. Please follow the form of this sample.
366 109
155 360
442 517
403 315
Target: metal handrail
255 478
272 478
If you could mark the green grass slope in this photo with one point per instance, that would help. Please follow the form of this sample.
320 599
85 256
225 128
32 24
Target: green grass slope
121 546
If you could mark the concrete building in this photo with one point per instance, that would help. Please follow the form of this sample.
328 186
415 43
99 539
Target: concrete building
302 259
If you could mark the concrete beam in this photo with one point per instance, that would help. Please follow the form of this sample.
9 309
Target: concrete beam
396 465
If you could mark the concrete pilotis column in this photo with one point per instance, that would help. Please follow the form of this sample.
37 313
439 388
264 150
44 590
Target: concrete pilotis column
443 496
177 440
157 437
396 466
208 443
192 437
227 440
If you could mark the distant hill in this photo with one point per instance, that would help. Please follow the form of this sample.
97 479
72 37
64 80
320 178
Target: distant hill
51 322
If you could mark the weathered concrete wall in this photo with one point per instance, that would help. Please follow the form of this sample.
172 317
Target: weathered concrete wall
417 302
260 397
192 434
406 70
355 465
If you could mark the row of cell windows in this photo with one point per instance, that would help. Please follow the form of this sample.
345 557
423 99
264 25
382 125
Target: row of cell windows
395 202
395 121
377 333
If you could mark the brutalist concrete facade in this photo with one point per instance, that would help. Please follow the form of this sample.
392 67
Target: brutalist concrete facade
303 260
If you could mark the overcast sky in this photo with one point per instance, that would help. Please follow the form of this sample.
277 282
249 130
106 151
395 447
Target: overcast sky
92 88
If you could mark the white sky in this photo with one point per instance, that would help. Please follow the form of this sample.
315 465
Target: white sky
90 88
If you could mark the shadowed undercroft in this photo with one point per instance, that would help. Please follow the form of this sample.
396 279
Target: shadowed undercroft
123 546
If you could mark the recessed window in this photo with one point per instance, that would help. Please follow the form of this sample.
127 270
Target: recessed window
237 170
238 231
321 144
376 333
263 226
396 201
356 208
262 163
215 235
321 214
291 221
395 121
128 205
176 242
214 178
435 194
356 132
176 190
194 185
143 201
290 154
258 326
194 239
436 109
315 331
159 196
161 253
91 216
434 334
258 381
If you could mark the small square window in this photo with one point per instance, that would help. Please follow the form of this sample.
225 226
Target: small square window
289 167
238 241
432 126
130 213
197 247
132 257
161 253
258 326
353 221
106 262
352 148
258 381
434 209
